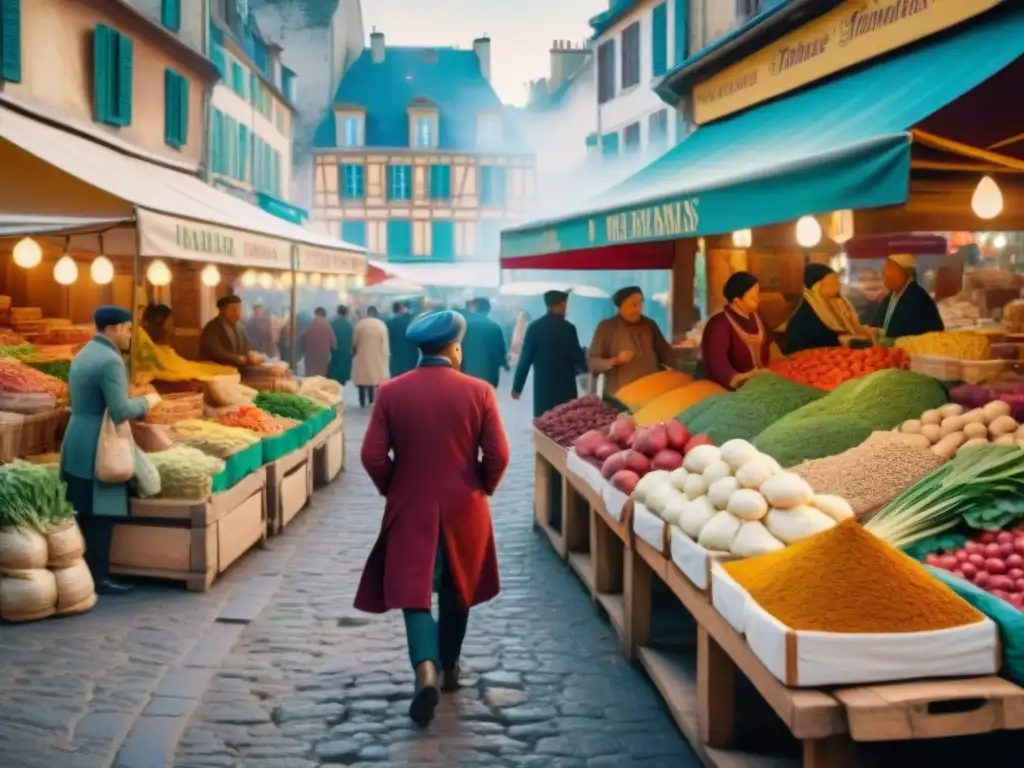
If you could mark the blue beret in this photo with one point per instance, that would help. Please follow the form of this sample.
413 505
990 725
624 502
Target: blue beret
104 316
434 332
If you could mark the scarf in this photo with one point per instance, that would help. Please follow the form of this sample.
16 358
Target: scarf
837 314
891 309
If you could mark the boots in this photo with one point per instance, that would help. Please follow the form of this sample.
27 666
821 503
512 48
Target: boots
425 699
450 678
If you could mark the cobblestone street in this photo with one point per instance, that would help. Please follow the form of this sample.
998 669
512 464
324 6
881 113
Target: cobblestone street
274 668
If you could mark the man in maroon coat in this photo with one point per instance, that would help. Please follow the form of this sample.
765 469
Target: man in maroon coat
436 450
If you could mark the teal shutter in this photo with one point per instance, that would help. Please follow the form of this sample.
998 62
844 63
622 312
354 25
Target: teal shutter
351 182
610 145
659 39
486 185
440 182
170 14
400 238
219 58
354 232
243 152
442 238
171 105
124 80
682 29
183 108
102 62
10 40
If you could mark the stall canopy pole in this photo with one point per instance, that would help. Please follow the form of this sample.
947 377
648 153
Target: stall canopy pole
294 314
136 279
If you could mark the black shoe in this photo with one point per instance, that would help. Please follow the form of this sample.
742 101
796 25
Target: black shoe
426 698
110 586
450 679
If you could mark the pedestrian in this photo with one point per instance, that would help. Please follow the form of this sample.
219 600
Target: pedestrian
258 328
98 385
435 449
341 359
404 354
319 342
372 353
484 350
552 347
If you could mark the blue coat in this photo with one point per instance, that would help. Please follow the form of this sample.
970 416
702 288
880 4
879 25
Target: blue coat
404 354
97 384
483 349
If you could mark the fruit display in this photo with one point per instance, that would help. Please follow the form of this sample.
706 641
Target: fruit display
960 345
949 429
1008 390
186 473
828 367
566 422
990 560
159 362
18 378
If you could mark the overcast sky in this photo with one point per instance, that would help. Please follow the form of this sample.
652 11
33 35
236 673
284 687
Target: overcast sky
521 31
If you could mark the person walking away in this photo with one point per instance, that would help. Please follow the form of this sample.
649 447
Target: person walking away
260 332
436 450
340 369
372 352
404 354
98 385
552 348
484 350
319 342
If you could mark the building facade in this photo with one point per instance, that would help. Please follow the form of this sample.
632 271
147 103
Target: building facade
416 158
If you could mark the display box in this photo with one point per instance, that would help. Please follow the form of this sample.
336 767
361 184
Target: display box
728 598
693 560
650 528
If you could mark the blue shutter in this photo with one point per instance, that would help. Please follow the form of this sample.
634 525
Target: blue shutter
214 140
442 238
400 238
440 182
10 40
102 62
170 14
682 29
354 232
659 40
243 151
171 106
486 185
219 59
407 182
124 80
351 182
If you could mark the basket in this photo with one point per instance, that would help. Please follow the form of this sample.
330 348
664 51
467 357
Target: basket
951 369
176 407
29 435
272 384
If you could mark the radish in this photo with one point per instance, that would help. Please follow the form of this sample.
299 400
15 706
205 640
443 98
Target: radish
1004 536
976 559
947 562
677 435
622 429
605 450
614 463
696 440
1015 573
987 538
994 566
637 462
667 460
1017 600
588 442
1014 561
932 559
993 550
960 555
651 441
981 580
969 571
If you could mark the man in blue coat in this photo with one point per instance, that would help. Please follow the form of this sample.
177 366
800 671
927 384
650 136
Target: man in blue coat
552 348
98 385
404 355
484 353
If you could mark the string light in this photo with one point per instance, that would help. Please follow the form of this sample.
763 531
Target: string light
987 200
808 232
27 253
158 273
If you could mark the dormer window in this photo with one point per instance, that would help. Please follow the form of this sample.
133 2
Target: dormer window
349 127
424 130
489 131
423 125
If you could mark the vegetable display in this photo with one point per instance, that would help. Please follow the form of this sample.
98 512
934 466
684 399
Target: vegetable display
846 417
157 362
32 496
949 430
20 378
1009 391
252 418
828 367
17 350
58 369
638 393
287 405
991 561
568 421
673 403
214 439
186 473
960 345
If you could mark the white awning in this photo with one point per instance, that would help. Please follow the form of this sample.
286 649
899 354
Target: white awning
459 275
179 216
527 288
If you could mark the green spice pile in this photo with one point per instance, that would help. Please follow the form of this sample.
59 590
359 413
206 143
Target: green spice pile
185 473
32 496
59 369
848 415
744 414
17 350
287 405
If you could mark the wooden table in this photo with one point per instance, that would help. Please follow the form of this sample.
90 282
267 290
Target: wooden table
549 468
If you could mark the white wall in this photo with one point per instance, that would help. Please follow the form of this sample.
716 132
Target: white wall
193 19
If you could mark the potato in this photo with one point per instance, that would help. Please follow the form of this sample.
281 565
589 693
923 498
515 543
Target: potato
931 417
977 442
933 432
946 448
1019 434
1004 440
916 440
951 409
975 430
977 416
1003 425
952 424
995 409
911 427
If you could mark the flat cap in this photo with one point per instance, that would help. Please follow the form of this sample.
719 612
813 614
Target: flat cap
434 332
104 316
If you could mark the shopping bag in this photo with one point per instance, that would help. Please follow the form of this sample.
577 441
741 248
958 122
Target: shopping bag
115 453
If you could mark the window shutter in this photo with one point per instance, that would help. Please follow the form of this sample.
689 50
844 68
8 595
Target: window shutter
354 232
610 145
400 238
682 29
10 41
171 106
442 237
486 185
183 110
124 80
440 182
102 82
215 143
243 152
170 14
659 40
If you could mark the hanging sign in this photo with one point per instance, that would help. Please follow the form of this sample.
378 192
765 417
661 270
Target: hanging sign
189 240
330 262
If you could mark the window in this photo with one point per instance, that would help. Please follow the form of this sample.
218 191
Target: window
591 144
175 109
493 185
112 76
424 131
682 36
681 128
170 14
10 41
490 237
421 231
606 72
354 232
442 238
465 238
399 182
219 58
440 182
400 237
657 131
237 78
350 132
217 161
288 84
230 139
489 131
242 152
352 182
659 40
631 55
631 138
610 145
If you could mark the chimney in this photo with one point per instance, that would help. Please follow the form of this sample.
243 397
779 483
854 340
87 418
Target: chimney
482 49
566 58
274 64
377 47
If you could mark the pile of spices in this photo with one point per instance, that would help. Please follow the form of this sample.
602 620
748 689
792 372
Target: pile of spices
847 580
872 474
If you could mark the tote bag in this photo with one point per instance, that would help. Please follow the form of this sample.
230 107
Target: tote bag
115 454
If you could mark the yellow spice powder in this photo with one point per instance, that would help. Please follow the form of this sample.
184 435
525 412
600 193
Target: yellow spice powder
846 579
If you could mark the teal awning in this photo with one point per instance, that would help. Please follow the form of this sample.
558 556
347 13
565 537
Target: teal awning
281 209
843 144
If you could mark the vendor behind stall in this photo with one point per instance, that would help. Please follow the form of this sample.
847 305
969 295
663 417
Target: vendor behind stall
736 345
908 310
155 318
823 318
224 340
630 345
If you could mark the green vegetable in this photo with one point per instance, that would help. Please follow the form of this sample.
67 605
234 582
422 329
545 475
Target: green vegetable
32 496
185 473
17 350
975 487
287 405
846 417
58 369
944 542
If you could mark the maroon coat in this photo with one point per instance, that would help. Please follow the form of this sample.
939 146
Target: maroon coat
449 453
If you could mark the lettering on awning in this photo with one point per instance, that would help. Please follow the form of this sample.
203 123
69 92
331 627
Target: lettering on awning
675 219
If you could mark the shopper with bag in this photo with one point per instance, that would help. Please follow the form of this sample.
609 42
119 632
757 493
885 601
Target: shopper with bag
97 455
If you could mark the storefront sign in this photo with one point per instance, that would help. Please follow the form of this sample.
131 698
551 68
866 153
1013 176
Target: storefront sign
672 219
856 31
189 240
330 262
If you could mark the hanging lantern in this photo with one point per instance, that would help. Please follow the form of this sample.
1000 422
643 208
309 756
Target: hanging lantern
999 241
987 201
101 270
265 280
808 232
158 273
840 226
248 278
65 271
316 279
330 283
27 253
742 238
301 279
210 276
285 280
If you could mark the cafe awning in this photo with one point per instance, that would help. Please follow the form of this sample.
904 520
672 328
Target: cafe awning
177 215
844 144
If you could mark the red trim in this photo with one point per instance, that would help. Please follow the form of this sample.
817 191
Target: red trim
374 275
883 246
659 255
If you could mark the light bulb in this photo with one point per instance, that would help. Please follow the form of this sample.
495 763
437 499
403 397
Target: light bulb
248 279
101 270
300 278
808 232
158 273
316 279
285 279
999 241
742 238
358 281
987 200
27 253
265 280
210 276
65 271
330 283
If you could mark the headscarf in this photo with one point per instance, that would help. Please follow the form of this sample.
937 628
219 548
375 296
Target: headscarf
836 313
815 273
907 263
737 286
624 293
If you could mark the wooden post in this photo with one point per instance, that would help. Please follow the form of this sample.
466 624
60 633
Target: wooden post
683 270
715 692
575 519
607 553
541 491
636 597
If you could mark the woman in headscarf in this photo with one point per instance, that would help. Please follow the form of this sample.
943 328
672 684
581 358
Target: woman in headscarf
823 318
908 310
630 345
736 344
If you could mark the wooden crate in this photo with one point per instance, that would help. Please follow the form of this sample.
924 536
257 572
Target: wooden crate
191 541
289 485
549 476
175 407
328 453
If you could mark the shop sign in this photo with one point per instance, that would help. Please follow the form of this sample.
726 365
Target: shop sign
854 32
330 262
653 222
